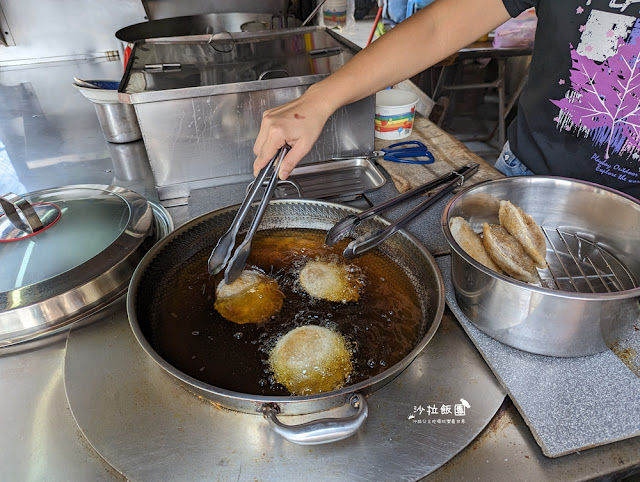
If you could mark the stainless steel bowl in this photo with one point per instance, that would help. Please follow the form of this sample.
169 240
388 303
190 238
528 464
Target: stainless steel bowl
589 294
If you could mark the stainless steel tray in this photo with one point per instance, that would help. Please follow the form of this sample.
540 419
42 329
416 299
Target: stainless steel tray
333 179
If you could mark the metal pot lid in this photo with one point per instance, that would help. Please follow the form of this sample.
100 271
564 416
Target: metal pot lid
66 253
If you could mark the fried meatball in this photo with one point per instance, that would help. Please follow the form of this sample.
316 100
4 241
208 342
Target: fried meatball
330 281
252 298
311 359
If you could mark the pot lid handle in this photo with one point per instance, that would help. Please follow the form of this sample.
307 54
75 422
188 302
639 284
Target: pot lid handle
11 203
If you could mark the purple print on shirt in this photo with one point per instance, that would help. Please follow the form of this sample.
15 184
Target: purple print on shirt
603 102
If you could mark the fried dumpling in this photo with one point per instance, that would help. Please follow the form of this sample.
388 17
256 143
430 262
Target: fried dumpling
252 298
331 281
311 359
508 253
526 231
471 242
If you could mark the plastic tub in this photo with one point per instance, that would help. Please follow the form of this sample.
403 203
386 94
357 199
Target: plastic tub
334 13
395 112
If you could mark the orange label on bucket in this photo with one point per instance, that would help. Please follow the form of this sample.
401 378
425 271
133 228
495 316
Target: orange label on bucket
338 17
390 123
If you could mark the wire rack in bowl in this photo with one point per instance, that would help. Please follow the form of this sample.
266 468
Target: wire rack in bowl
581 264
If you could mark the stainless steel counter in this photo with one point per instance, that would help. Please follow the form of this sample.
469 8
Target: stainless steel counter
53 138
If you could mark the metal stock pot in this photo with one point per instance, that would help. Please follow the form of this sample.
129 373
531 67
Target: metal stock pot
589 293
202 233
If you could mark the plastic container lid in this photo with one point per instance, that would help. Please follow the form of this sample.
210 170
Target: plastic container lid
99 96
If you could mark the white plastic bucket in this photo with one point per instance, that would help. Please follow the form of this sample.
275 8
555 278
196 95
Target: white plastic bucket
395 112
334 13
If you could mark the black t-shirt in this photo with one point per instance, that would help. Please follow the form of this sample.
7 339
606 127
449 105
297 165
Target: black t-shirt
579 114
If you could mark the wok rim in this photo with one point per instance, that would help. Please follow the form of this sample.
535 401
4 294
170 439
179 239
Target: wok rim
371 383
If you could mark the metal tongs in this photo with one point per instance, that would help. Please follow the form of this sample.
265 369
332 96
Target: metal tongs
370 240
221 254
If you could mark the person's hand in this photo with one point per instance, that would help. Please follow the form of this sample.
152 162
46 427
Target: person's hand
403 53
297 123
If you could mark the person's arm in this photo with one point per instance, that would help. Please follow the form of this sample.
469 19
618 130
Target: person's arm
425 38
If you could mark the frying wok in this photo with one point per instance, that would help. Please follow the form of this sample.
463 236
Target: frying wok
156 278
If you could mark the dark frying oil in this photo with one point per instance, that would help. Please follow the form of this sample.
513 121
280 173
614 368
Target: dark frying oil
381 328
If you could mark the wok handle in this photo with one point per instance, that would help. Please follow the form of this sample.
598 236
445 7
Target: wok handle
324 430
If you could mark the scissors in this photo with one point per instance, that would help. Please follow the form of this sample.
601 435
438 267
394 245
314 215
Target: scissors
409 152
